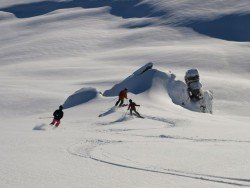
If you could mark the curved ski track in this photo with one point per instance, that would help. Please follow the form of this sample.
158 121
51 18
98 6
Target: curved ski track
85 149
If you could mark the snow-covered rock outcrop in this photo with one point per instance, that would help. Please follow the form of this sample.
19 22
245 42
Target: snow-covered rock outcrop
145 79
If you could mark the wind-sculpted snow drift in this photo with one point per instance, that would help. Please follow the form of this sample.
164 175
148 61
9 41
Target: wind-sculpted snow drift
81 96
145 78
230 23
123 8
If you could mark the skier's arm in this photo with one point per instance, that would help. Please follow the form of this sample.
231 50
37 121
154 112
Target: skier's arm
129 107
62 115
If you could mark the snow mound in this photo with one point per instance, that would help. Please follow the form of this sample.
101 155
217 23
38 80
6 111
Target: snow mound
147 79
81 96
40 127
139 82
6 16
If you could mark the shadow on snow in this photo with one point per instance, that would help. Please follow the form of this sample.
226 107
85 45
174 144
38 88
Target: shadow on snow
230 27
124 8
234 27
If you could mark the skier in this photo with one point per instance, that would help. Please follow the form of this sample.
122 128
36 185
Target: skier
122 96
132 108
58 114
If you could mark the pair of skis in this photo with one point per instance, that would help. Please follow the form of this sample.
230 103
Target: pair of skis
134 114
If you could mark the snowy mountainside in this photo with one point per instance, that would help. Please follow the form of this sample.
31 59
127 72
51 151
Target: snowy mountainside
64 52
228 23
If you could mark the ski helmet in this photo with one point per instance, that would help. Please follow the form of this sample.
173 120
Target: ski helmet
60 107
130 100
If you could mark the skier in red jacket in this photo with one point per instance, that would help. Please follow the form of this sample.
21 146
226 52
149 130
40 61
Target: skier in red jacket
132 108
122 96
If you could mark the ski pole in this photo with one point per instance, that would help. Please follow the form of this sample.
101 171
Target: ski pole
44 117
125 114
112 100
127 101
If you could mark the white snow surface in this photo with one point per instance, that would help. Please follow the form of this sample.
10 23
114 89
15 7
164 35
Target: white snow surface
69 55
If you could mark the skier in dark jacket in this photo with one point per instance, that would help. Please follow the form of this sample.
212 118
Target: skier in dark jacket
58 115
132 108
122 96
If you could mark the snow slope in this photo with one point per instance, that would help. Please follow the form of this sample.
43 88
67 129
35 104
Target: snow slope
68 54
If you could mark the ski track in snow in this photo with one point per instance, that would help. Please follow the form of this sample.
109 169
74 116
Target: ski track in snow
170 123
119 120
164 120
85 149
182 138
108 112
125 117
